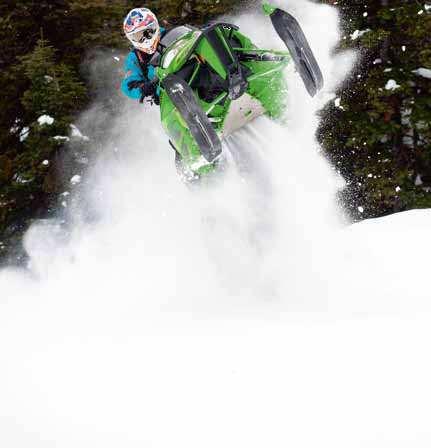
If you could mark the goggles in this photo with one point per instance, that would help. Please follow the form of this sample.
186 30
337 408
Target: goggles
145 34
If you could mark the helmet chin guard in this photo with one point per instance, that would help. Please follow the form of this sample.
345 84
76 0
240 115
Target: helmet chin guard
142 29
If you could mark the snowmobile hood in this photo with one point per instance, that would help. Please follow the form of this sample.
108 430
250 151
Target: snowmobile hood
178 52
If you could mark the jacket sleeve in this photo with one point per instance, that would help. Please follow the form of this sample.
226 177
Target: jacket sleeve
133 72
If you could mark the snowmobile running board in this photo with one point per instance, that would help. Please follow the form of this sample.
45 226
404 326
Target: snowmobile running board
292 35
183 98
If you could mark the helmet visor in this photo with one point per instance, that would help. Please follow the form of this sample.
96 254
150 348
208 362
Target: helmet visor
145 34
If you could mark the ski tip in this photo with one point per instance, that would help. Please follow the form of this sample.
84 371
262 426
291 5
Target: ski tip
268 9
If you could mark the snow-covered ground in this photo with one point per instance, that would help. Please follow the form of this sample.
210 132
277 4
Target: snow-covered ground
247 314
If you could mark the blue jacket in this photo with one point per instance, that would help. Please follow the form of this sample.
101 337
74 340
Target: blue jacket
134 72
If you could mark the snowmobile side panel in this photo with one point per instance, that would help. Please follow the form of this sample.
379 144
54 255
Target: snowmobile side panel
269 88
292 35
196 121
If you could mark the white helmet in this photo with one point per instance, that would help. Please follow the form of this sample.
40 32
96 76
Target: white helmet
142 29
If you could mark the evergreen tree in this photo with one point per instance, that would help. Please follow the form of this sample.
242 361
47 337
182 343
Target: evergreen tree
53 96
378 134
54 89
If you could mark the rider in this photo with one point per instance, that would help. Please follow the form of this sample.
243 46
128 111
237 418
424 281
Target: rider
144 32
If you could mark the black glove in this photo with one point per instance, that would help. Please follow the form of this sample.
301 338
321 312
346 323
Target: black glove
148 88
136 84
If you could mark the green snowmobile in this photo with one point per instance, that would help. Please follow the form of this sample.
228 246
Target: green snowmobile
213 80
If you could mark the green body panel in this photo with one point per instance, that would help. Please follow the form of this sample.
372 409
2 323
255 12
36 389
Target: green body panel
270 88
207 54
178 54
266 85
268 9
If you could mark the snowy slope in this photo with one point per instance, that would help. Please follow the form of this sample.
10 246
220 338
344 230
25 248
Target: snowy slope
247 314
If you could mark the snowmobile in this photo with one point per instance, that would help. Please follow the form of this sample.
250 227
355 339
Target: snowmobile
214 80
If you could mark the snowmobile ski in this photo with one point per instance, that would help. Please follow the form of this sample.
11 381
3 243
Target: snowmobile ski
184 100
292 35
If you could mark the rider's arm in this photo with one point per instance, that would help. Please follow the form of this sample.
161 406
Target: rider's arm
133 73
